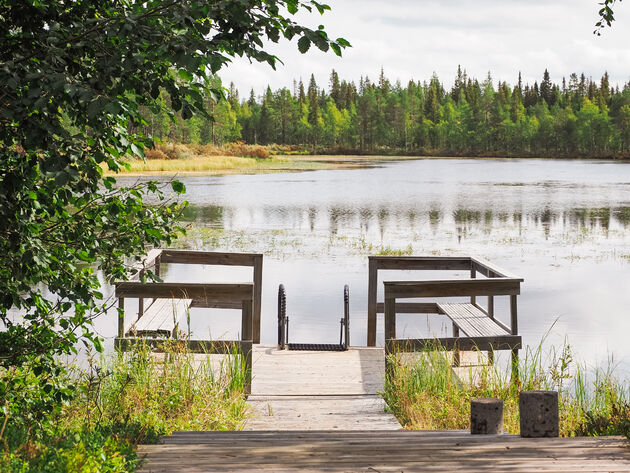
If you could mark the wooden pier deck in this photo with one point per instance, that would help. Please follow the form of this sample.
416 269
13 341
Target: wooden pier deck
297 390
381 451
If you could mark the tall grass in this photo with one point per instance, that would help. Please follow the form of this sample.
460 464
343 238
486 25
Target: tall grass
424 392
133 398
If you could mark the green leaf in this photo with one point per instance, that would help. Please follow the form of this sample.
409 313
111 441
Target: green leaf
304 44
178 187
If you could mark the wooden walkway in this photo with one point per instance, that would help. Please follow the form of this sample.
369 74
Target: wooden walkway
297 390
381 451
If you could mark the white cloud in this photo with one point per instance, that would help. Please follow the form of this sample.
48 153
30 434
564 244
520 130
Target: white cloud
412 39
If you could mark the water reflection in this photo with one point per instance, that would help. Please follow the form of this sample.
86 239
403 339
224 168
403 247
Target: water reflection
466 221
562 225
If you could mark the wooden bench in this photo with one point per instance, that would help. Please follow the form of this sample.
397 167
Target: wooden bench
474 327
471 320
162 317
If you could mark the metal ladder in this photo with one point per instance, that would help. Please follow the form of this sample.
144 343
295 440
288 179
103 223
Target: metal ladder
283 327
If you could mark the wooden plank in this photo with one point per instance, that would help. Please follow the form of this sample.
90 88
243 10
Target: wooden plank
197 291
514 314
411 308
452 288
121 317
209 257
505 342
161 317
221 347
472 321
431 263
390 319
212 304
357 371
491 270
372 305
258 282
382 451
151 259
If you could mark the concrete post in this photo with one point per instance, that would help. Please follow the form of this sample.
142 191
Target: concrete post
486 416
539 413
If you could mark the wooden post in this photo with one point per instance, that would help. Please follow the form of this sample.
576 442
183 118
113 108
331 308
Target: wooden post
246 321
473 275
121 317
491 315
514 329
247 356
141 299
156 268
258 277
246 343
456 358
390 332
372 290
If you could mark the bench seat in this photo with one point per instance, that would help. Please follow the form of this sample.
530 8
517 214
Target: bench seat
472 321
162 317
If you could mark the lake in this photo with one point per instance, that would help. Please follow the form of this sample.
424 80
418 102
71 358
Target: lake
564 226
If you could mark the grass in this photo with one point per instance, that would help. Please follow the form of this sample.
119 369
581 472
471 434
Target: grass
424 393
129 399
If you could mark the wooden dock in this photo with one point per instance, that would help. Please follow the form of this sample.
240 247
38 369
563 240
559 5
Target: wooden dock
381 451
326 390
321 410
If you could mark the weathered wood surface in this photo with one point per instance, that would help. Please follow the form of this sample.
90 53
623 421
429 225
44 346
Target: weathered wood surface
297 390
452 288
436 263
161 317
284 372
378 451
349 412
472 321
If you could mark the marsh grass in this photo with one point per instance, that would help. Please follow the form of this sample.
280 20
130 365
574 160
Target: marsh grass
131 398
424 393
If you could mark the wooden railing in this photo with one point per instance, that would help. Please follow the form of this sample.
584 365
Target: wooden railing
243 296
204 295
428 263
157 256
485 332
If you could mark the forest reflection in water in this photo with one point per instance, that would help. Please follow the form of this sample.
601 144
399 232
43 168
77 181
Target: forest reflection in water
562 225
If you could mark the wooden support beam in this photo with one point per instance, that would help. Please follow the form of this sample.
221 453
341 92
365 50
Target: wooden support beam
390 319
506 342
258 280
427 263
209 257
196 291
513 315
491 270
209 347
372 305
411 308
121 317
453 288
150 260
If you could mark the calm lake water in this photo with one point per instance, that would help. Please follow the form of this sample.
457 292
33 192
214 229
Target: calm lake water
564 226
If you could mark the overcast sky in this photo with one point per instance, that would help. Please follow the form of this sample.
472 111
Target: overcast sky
412 39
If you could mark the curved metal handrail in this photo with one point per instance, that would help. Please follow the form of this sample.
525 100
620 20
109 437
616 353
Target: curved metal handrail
282 316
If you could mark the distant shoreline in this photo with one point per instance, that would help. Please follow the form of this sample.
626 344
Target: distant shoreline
221 165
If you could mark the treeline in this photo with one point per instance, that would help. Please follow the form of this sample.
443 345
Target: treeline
579 117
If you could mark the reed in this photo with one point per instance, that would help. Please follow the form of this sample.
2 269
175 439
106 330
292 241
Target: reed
424 392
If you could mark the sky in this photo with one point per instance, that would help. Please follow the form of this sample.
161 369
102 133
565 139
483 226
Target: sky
413 39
